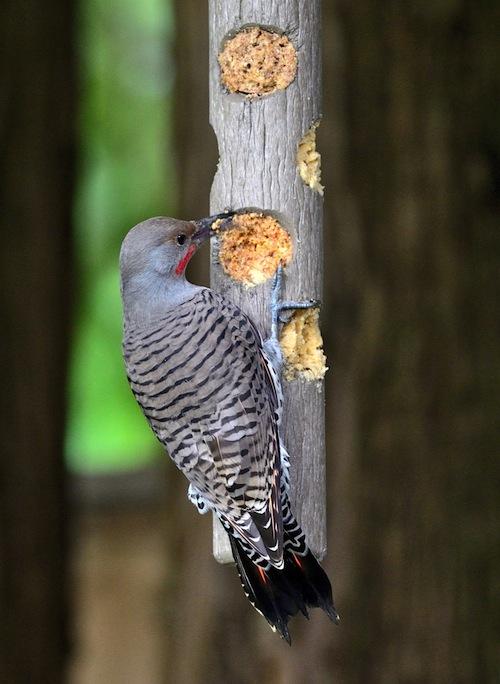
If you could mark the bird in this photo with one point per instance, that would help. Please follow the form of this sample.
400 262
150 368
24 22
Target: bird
209 387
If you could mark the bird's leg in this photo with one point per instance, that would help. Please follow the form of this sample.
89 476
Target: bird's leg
278 308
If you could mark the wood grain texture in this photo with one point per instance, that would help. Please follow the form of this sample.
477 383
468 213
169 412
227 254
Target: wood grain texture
258 142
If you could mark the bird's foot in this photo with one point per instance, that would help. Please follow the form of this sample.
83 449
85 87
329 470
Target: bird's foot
281 311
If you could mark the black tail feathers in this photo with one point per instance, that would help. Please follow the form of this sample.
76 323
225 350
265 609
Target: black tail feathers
280 594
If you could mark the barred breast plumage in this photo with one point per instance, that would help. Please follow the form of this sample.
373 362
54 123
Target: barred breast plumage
203 381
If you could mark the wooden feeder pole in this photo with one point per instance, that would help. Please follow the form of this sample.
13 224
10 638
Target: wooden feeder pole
258 140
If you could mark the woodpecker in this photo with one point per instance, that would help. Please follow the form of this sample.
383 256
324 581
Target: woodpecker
210 390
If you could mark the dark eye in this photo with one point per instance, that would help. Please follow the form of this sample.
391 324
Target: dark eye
181 239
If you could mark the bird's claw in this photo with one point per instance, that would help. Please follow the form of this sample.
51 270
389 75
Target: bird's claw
281 311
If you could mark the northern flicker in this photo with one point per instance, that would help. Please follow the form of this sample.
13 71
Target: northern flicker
210 389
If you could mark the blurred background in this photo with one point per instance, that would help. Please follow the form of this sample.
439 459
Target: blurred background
106 569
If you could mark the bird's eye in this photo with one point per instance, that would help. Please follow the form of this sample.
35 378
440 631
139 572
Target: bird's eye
181 239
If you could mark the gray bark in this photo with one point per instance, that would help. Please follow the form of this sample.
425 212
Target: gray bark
258 142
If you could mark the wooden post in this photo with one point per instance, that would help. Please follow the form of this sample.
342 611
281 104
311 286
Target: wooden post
258 141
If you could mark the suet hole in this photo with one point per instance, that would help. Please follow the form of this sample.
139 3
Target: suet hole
253 247
302 346
309 160
257 61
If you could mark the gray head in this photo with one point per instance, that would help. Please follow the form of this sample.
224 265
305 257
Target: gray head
153 260
155 247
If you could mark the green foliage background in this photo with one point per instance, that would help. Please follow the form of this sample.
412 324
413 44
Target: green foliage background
124 177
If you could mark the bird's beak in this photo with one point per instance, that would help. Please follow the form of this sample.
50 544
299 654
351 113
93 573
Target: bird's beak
204 226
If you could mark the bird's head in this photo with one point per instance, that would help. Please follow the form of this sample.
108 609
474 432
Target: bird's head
163 246
153 259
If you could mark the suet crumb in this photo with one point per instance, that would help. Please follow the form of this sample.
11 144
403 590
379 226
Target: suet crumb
253 247
309 160
302 346
257 62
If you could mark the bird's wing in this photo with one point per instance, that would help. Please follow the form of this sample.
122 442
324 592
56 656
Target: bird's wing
206 387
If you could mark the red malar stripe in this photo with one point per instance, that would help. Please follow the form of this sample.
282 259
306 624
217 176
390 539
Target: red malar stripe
185 259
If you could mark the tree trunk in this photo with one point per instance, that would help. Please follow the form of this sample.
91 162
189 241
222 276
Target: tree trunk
258 141
36 124
412 147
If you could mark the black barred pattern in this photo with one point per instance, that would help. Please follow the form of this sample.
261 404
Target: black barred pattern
279 594
210 394
294 537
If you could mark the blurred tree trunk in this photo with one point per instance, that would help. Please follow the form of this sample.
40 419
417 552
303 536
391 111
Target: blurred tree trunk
36 131
194 140
411 162
413 150
192 579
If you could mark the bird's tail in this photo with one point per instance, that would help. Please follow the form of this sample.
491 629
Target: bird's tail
279 594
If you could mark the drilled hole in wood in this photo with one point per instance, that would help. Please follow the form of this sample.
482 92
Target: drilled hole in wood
253 247
257 61
309 160
302 346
